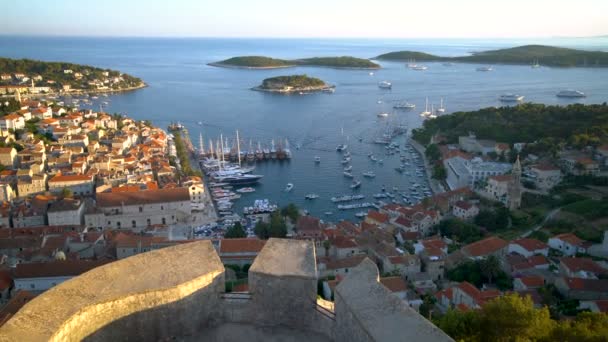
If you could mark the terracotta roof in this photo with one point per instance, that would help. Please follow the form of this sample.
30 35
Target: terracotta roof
377 216
115 199
70 178
4 150
343 242
245 245
395 284
403 259
463 205
582 264
403 221
569 238
308 224
434 243
590 285
56 269
485 247
602 305
470 290
533 281
501 178
545 167
349 262
586 161
530 245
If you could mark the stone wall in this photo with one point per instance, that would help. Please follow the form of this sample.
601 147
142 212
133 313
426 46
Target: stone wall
150 296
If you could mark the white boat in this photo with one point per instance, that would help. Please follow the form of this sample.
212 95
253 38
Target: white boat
341 147
369 174
348 174
289 187
404 105
317 160
426 109
419 68
382 115
245 190
328 213
385 85
441 108
371 73
355 184
361 214
570 93
411 64
535 64
348 168
485 68
345 160
511 97
311 196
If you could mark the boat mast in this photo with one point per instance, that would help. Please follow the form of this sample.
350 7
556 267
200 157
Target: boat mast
201 147
238 147
222 148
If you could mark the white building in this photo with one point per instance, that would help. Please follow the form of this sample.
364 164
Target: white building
81 185
141 209
465 210
544 176
38 277
66 212
465 173
568 244
528 247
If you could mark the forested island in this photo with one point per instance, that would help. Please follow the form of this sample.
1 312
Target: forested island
292 83
45 77
527 54
576 125
261 62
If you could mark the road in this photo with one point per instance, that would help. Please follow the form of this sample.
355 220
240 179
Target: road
435 185
548 217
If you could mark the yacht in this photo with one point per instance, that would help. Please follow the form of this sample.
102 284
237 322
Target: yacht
356 184
511 97
239 179
289 187
485 68
570 93
385 85
348 174
382 115
535 64
361 214
426 109
317 160
441 108
371 73
348 168
341 147
404 105
245 190
411 64
369 174
311 196
419 68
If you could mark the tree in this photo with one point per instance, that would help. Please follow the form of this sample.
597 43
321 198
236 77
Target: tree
586 327
278 227
66 193
428 303
513 318
461 326
261 230
235 232
490 267
432 152
439 172
291 211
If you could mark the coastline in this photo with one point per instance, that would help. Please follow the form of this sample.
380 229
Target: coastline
307 90
435 185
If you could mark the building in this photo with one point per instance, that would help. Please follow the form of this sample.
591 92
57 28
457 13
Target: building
483 248
544 176
526 283
581 268
309 227
39 277
582 289
80 185
577 164
340 267
568 243
239 251
11 121
465 210
469 173
471 144
31 185
66 212
8 157
141 209
528 247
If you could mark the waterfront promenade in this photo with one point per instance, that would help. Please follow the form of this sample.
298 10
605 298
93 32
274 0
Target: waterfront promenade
435 185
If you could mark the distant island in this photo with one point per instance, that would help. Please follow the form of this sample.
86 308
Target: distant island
32 76
527 54
262 62
293 84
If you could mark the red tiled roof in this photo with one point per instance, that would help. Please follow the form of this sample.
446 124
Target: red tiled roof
470 290
343 242
113 199
395 284
56 269
591 285
308 224
349 262
602 305
530 245
501 178
533 281
569 238
582 264
463 205
377 216
244 245
485 247
434 243
70 178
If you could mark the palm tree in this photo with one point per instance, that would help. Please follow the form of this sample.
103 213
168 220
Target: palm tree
490 267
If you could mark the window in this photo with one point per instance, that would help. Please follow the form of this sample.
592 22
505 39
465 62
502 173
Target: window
164 221
32 285
149 222
133 224
162 208
118 224
141 209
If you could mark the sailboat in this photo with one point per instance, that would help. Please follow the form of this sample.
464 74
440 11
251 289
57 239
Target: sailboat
441 108
342 147
432 115
426 109
535 64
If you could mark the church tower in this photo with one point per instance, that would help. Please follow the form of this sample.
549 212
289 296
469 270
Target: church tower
515 186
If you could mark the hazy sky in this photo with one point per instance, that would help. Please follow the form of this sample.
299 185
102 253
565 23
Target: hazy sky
307 18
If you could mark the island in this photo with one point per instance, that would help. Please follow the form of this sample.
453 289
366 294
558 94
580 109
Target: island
293 84
527 54
28 76
262 62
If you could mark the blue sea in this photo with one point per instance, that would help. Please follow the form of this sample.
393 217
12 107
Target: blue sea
182 87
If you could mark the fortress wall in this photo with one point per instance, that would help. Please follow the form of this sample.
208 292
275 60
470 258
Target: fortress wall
367 311
151 296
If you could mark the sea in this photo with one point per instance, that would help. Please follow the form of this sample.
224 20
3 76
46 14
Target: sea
211 101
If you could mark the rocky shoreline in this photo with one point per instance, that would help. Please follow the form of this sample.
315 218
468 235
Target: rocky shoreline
228 66
306 90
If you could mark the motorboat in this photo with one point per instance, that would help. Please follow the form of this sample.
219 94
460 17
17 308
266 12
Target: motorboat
345 160
382 115
361 214
341 147
570 93
245 190
535 64
510 97
289 187
369 174
404 105
311 196
419 68
485 68
385 85
356 184
348 174
317 159
348 168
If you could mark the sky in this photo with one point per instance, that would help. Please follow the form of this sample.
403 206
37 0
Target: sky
309 18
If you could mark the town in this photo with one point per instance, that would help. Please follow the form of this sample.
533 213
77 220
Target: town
81 189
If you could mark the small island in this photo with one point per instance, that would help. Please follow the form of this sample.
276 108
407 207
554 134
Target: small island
38 77
527 54
293 84
262 62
